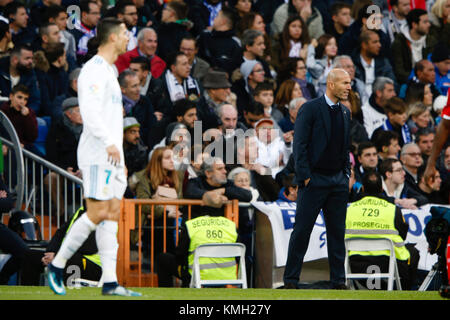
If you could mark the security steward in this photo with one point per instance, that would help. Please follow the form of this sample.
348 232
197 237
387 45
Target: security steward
376 216
195 232
84 264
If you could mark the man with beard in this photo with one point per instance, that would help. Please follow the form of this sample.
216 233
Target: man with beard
412 44
369 65
126 12
134 150
18 68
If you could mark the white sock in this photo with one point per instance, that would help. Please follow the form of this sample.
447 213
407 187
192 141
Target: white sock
78 233
106 237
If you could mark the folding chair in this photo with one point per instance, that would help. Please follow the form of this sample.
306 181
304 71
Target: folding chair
219 250
364 244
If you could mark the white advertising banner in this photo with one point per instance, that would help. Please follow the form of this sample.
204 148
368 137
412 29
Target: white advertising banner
282 217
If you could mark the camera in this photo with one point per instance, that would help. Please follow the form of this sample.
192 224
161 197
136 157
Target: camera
437 232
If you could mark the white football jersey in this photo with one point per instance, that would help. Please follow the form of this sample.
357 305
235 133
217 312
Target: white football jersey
100 100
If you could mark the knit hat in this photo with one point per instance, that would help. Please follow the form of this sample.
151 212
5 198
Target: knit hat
129 122
247 68
440 53
216 80
70 103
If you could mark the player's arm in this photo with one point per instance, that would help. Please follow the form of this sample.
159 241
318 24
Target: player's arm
439 141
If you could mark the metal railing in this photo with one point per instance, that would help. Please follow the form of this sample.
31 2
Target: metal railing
47 191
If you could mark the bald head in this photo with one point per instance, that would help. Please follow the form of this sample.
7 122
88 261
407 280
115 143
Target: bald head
338 84
228 115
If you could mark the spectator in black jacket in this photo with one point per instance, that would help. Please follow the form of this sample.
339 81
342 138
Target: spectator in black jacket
136 105
21 30
135 152
214 189
431 189
203 13
173 28
219 46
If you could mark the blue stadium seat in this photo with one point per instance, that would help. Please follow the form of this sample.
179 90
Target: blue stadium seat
43 127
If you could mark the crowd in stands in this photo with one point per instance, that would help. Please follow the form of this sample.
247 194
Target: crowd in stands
198 74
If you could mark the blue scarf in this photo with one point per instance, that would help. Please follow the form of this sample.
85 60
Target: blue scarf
406 134
213 11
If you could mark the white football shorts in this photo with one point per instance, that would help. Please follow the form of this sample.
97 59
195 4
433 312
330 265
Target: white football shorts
104 182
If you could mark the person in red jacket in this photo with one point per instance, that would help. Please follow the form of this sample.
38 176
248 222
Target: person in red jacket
22 117
147 45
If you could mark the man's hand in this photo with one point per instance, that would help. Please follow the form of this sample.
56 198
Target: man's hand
307 181
215 198
158 115
430 172
407 203
24 111
47 258
113 155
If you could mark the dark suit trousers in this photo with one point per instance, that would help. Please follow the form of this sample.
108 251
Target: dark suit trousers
329 193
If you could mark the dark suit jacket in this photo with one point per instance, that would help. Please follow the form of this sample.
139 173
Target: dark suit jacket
312 132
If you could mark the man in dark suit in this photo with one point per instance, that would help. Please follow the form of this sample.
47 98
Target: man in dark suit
322 167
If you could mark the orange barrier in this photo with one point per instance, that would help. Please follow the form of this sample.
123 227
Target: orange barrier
129 272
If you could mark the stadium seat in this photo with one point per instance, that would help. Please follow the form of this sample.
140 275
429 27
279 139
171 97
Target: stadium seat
43 127
219 250
364 244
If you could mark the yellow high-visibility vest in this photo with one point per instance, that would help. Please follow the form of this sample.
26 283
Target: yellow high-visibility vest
373 218
207 229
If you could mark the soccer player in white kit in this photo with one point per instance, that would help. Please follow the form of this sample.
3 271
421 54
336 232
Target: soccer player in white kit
101 160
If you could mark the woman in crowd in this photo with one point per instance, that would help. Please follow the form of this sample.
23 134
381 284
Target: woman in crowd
287 91
160 180
292 42
321 54
255 21
419 92
295 69
419 117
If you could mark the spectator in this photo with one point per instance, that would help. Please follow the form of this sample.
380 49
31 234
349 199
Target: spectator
199 67
159 172
287 91
252 114
273 152
418 92
431 189
61 148
419 117
321 54
304 9
5 39
412 44
23 118
85 28
407 256
369 64
219 46
358 133
147 45
367 159
21 31
292 42
372 110
253 48
58 15
425 74
203 14
52 77
387 145
341 19
411 156
214 189
395 110
349 43
136 105
126 12
255 21
217 92
396 18
287 123
242 179
48 35
186 113
39 9
424 139
443 165
242 7
441 60
263 93
173 28
289 191
135 152
358 86
394 186
439 16
295 69
253 74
